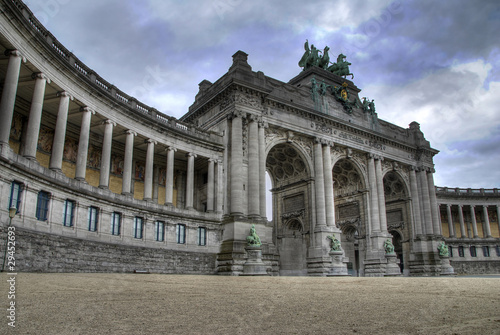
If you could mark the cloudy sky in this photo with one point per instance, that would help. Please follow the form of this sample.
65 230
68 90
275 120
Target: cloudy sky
434 62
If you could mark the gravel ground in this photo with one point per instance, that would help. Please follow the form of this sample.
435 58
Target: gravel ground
97 304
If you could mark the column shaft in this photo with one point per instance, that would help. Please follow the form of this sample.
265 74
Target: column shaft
60 133
486 220
9 95
463 233
262 169
253 169
473 220
210 185
451 226
434 206
498 218
236 163
35 117
415 202
329 199
319 185
127 162
83 144
169 178
381 195
148 173
374 208
220 184
424 190
106 154
190 181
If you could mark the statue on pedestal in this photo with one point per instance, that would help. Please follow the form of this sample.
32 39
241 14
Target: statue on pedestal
253 240
443 250
335 243
388 246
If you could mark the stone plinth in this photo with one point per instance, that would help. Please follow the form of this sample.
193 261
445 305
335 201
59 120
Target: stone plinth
254 265
392 268
339 266
446 268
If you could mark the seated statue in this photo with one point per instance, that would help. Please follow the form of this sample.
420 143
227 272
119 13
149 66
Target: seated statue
443 249
388 246
253 240
335 243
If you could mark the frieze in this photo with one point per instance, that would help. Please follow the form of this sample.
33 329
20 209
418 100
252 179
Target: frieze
248 100
350 137
322 128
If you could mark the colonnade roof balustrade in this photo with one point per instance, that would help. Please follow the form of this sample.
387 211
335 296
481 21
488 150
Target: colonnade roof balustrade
23 13
466 192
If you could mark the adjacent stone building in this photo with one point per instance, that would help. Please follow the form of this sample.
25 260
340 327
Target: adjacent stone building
103 182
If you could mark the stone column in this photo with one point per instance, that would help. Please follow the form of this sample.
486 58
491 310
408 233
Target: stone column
473 220
486 220
127 162
374 208
60 132
148 173
262 169
319 184
9 91
424 189
498 218
434 206
35 117
169 178
83 144
236 163
451 226
463 233
190 180
220 184
106 154
253 168
381 195
210 185
415 201
329 199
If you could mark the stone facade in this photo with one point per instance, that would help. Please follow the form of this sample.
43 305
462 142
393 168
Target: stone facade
97 175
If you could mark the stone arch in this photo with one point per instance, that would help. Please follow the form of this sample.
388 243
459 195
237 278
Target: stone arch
297 147
347 177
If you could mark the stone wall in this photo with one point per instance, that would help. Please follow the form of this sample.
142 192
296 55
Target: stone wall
40 252
476 267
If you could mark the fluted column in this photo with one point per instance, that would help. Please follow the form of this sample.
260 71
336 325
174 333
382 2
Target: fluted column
190 180
262 169
35 117
319 184
451 226
329 199
426 203
253 168
106 154
83 144
220 184
210 185
473 220
60 132
434 206
486 220
381 195
148 173
236 162
415 201
9 91
127 162
169 178
374 208
463 233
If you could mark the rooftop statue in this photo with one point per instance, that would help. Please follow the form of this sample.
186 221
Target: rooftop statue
368 106
341 67
253 240
311 58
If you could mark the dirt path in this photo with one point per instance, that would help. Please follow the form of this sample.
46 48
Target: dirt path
180 304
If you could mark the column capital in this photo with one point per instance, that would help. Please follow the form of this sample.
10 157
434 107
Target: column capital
108 121
327 143
369 155
191 154
170 148
130 131
214 160
40 75
150 140
485 206
65 94
318 140
87 109
235 114
263 124
14 52
449 205
253 117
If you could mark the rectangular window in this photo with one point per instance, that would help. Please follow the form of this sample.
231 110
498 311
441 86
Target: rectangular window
160 231
68 213
42 205
138 227
116 223
473 251
498 250
450 250
202 236
15 195
461 251
486 251
93 218
181 233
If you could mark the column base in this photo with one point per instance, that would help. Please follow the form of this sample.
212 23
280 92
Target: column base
392 267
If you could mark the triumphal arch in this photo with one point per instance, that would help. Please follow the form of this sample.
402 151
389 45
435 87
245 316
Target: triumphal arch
336 170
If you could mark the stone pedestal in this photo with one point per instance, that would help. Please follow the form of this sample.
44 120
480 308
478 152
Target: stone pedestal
446 268
254 265
392 268
339 266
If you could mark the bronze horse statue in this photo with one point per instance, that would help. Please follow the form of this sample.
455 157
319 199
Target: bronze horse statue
341 68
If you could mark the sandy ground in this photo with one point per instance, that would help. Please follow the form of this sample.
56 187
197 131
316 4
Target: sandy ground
182 304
